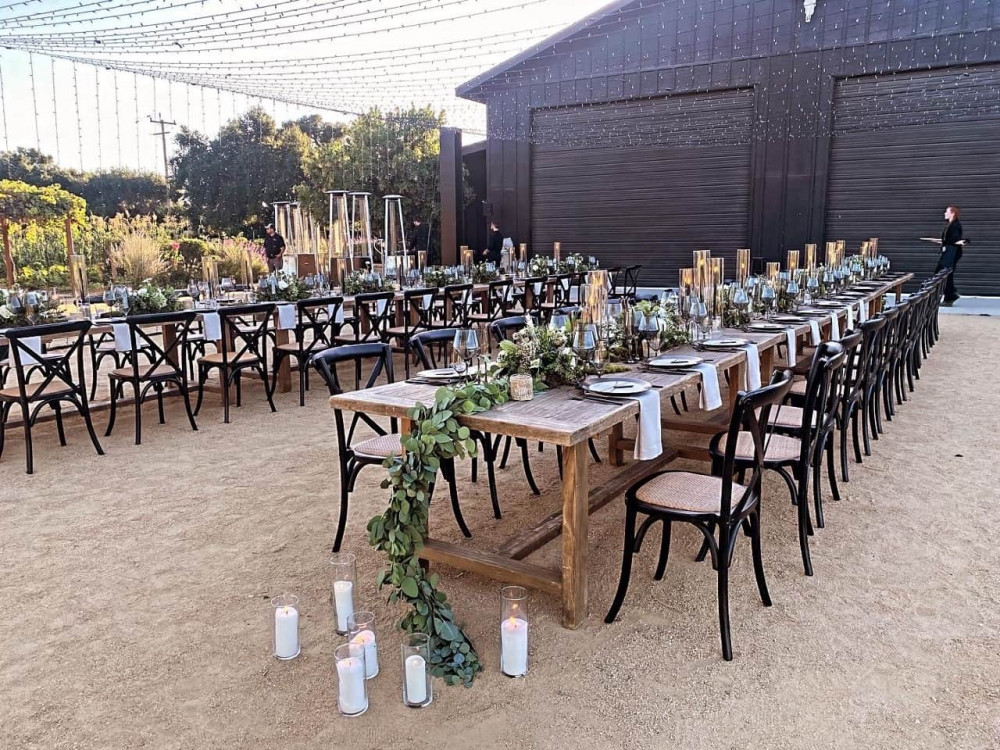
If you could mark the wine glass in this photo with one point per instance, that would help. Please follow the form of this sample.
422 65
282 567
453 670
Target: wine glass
123 301
812 287
584 344
466 347
741 301
109 297
558 321
768 296
703 317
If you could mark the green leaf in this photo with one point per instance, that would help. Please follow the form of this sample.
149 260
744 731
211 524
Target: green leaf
409 587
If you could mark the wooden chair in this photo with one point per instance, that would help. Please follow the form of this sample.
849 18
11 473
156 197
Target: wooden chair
457 306
102 346
534 297
499 301
243 347
167 365
373 314
418 315
355 456
58 383
318 323
712 504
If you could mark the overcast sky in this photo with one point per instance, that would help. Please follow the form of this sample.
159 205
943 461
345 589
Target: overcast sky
93 117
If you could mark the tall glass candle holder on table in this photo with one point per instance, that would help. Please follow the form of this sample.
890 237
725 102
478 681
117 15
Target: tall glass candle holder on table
418 690
514 631
285 609
361 629
344 576
352 684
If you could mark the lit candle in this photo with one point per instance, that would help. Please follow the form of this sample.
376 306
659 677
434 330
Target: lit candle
773 269
718 266
811 256
343 597
702 274
366 638
286 632
793 260
556 250
742 264
685 280
514 647
416 679
523 254
351 675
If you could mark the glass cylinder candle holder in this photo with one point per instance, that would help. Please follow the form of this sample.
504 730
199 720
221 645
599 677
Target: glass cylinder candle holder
344 575
773 269
352 685
685 280
718 266
361 628
742 265
793 260
285 608
514 631
810 256
418 690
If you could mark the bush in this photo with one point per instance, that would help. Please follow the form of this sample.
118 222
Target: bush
230 253
41 277
137 257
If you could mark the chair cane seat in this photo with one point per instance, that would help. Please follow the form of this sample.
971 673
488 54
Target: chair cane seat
291 347
799 387
52 389
382 446
216 359
146 372
686 491
789 417
401 331
777 447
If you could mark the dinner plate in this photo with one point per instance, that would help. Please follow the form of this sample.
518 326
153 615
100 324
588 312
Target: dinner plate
789 319
445 373
724 343
617 386
767 327
670 362
829 303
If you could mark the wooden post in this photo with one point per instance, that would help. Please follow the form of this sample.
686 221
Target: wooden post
575 521
8 259
452 193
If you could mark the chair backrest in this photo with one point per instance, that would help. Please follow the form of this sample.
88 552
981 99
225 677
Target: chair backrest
323 318
534 293
244 331
458 305
503 329
374 315
379 356
561 285
852 380
872 331
616 279
432 347
820 397
888 336
55 371
632 280
751 413
145 332
500 298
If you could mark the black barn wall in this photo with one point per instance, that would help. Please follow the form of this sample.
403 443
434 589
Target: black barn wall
655 49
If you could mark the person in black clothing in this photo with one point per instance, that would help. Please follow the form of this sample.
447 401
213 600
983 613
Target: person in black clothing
274 249
951 251
495 246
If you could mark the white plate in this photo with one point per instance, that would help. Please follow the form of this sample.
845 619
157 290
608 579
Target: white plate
790 319
724 343
668 362
829 304
618 386
767 327
445 373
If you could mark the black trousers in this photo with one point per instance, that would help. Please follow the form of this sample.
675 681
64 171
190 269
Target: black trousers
949 259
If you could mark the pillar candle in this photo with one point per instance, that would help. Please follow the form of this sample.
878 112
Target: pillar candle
351 676
286 632
523 253
416 679
718 266
343 597
702 275
514 647
366 638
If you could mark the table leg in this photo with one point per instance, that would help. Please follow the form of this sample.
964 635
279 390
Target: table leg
766 364
281 336
736 372
899 293
575 521
616 456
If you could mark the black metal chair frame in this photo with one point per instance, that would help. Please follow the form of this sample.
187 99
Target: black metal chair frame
316 318
418 315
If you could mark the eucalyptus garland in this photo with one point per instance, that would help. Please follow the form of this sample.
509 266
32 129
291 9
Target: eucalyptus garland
399 532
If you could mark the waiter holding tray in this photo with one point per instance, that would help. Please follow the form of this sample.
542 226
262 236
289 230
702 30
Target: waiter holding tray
951 243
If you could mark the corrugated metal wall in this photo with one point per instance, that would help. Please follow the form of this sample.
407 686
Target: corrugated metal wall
904 147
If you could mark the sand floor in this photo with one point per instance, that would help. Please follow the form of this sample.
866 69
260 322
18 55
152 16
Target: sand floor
135 590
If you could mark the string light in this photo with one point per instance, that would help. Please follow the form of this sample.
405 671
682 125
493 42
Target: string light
79 120
55 108
34 100
97 90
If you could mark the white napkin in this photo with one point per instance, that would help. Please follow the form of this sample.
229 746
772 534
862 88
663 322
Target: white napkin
711 393
793 353
123 340
817 337
862 311
850 316
536 288
648 438
751 376
213 326
286 317
34 343
834 327
574 294
338 316
380 304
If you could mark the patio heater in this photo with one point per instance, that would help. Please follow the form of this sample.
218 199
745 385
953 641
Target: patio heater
78 277
394 255
361 226
285 225
339 245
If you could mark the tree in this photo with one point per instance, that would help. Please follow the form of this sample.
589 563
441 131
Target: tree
21 203
383 154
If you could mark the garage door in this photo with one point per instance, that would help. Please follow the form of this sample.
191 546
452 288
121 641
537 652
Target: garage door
644 181
907 145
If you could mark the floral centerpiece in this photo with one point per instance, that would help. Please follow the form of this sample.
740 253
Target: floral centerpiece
151 298
481 274
542 352
539 266
667 320
282 287
574 263
435 277
365 282
26 309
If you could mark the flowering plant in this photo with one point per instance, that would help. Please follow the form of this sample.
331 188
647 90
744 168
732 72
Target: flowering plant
574 263
27 309
150 298
435 277
667 320
282 287
541 352
483 275
539 266
364 282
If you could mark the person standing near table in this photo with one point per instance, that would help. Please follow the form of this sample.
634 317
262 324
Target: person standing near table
951 251
274 249
494 248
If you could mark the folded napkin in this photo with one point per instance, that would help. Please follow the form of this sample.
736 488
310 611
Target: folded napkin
213 326
711 393
814 330
850 315
34 344
648 438
862 311
339 313
286 317
123 339
834 327
381 304
793 353
751 376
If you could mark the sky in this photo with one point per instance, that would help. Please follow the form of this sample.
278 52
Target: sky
338 54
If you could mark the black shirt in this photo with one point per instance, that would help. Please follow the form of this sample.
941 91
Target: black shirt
273 245
495 248
952 233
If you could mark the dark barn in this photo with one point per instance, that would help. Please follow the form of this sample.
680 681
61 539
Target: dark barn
653 129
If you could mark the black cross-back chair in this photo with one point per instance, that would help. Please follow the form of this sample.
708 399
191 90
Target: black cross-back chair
713 504
418 315
316 328
373 314
883 364
631 281
457 306
57 384
354 457
167 365
102 346
245 331
432 351
872 333
499 300
558 287
533 297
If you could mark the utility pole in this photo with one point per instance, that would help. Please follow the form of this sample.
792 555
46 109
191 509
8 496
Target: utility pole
163 136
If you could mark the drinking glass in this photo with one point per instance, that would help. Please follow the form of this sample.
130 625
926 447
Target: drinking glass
109 297
768 296
123 301
741 301
466 347
584 343
703 316
812 287
558 321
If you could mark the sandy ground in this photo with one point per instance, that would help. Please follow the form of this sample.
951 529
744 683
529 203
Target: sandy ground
135 589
